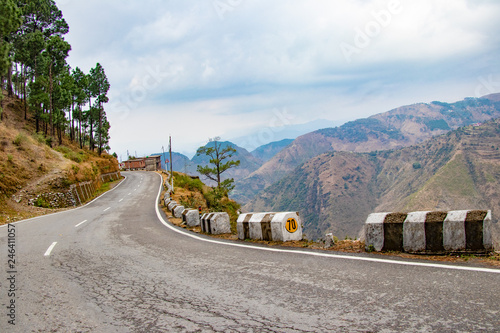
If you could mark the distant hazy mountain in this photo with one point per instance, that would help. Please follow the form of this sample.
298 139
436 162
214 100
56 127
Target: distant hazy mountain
279 129
336 191
180 162
248 163
268 151
394 129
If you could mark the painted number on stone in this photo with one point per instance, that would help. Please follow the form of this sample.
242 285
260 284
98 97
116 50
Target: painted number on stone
291 225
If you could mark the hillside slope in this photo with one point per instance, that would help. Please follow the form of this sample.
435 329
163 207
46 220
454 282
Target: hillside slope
401 127
29 166
268 151
336 191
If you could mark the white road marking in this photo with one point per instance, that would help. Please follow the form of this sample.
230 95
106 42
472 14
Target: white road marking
107 209
319 254
130 193
79 224
51 247
120 200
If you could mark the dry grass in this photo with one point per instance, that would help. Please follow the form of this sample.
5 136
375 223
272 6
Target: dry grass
28 166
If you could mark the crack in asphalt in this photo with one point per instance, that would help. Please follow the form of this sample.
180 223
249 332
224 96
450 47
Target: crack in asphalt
145 303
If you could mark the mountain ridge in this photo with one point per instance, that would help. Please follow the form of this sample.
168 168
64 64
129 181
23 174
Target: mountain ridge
400 127
336 191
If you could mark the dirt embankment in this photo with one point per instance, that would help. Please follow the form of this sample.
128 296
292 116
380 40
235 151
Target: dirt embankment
31 165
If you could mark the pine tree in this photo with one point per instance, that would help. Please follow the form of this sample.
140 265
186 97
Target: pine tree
10 20
81 84
218 154
100 86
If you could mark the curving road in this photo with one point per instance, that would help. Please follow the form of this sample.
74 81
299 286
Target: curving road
115 266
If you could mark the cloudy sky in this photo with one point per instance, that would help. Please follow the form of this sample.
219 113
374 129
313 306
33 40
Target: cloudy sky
246 70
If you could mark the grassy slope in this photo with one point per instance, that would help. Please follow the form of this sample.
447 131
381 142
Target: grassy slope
28 166
192 193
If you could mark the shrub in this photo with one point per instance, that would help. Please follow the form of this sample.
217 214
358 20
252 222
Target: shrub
190 201
39 137
19 140
48 141
75 169
63 150
66 183
74 157
41 202
188 183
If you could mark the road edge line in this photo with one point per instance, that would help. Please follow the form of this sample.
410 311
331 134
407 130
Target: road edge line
316 254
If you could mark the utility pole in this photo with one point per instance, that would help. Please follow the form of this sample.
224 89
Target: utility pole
171 164
163 157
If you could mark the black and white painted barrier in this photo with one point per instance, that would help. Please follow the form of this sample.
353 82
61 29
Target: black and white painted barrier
177 211
282 226
191 217
171 205
215 223
430 232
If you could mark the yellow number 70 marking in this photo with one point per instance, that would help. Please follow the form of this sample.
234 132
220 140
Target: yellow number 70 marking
291 225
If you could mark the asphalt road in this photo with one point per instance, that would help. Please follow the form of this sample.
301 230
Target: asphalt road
114 266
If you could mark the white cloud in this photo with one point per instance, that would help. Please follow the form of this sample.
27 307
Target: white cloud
225 72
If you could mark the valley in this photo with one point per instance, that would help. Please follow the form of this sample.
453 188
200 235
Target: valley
336 191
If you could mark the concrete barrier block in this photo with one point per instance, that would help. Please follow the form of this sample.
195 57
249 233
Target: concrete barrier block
191 217
215 223
281 226
287 226
248 226
468 230
430 232
177 211
171 205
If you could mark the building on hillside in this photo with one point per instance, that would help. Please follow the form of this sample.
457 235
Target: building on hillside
149 163
153 163
135 164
